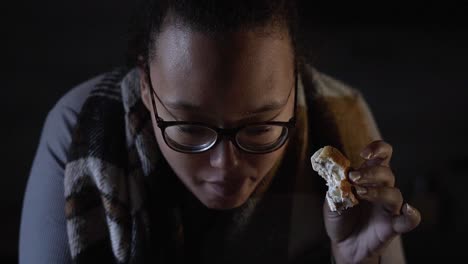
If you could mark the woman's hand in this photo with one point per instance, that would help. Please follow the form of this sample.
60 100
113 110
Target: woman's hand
361 233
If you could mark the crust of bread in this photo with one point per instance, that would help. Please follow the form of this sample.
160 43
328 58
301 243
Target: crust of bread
346 187
329 152
337 157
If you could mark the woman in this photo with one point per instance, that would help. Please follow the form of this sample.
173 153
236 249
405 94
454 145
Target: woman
200 152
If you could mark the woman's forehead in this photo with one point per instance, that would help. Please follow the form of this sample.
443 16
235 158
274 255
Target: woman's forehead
243 71
238 96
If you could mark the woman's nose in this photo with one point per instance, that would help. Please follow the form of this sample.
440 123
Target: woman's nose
224 155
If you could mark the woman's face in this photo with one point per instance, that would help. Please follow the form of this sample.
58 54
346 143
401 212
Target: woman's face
225 81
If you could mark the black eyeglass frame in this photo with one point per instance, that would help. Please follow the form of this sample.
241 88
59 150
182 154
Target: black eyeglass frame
228 133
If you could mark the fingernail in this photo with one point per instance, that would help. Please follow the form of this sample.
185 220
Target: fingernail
360 190
366 154
355 176
409 210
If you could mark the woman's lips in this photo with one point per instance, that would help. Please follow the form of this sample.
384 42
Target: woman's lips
226 189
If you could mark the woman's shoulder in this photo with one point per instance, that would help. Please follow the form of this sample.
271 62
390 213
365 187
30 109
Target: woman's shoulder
69 105
345 108
76 96
325 85
63 116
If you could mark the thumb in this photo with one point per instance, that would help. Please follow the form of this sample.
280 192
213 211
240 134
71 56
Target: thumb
338 224
408 220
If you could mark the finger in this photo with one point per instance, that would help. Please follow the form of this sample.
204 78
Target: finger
390 198
378 152
408 220
373 176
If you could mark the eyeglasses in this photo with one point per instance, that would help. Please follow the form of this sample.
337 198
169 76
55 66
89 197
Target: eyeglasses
198 137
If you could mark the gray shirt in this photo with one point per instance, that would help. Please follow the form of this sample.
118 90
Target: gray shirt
43 233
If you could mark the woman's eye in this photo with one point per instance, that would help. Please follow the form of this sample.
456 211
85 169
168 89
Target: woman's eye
258 130
191 130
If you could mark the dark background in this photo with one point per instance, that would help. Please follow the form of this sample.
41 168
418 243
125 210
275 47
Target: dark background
410 62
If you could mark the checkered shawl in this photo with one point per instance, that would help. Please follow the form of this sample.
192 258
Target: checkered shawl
120 192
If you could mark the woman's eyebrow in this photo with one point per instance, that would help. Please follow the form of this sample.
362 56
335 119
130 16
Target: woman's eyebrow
188 106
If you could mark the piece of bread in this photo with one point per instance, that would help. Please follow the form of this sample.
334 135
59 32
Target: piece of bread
333 167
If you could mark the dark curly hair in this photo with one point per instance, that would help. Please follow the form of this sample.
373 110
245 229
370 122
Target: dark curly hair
211 16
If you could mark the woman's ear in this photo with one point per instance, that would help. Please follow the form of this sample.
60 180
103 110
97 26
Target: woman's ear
144 88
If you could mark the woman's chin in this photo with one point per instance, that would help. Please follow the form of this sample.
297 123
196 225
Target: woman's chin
223 204
216 198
